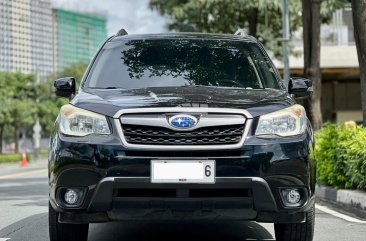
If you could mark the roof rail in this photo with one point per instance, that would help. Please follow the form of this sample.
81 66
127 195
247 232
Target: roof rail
121 32
241 32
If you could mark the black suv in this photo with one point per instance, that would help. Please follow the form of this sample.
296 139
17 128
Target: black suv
181 126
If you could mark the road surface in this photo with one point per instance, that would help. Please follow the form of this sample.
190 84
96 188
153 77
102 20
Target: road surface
23 217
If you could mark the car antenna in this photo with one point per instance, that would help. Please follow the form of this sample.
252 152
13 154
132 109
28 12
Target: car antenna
122 32
241 32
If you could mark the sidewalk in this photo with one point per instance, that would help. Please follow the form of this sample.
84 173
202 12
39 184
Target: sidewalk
353 201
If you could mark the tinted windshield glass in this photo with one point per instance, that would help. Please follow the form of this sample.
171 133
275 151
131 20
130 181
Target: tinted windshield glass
134 64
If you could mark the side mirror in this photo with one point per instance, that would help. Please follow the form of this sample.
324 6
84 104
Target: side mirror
65 87
300 87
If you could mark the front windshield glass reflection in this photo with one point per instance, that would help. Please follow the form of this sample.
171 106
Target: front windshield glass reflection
131 64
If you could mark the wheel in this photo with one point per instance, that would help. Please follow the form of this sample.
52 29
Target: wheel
297 231
63 231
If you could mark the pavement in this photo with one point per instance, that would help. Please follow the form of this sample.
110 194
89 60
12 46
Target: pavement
23 191
353 201
24 204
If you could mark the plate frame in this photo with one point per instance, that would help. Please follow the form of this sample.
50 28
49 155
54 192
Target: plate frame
163 181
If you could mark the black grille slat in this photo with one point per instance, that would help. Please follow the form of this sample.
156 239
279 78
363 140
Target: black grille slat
192 141
218 192
146 192
156 131
192 193
171 154
217 135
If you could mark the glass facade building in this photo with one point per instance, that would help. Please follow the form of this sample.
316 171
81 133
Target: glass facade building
77 37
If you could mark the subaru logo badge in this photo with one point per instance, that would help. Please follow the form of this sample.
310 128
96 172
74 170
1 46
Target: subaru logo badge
183 121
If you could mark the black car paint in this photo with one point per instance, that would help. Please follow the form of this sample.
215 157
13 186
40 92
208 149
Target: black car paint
84 161
257 102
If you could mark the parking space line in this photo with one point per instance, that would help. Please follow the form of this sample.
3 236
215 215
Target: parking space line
23 174
338 215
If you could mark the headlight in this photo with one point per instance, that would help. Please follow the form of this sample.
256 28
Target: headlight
78 122
287 122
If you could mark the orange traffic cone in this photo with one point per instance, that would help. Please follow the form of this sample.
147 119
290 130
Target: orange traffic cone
24 159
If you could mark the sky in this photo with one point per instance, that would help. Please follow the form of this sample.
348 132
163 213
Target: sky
132 15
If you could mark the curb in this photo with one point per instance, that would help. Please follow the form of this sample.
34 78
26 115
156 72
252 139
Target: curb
353 201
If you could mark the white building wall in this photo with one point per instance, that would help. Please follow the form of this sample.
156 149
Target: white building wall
5 38
26 36
41 37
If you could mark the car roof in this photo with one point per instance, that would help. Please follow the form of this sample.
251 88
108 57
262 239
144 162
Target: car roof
207 36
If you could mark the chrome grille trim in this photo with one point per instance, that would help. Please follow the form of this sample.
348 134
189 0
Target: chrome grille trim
205 120
183 110
240 116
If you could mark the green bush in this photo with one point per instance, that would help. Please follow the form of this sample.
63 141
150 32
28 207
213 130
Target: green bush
10 158
13 157
330 165
354 152
341 156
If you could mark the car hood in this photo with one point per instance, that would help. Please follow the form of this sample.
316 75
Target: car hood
109 101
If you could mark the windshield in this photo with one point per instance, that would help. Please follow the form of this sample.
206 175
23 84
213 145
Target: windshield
132 64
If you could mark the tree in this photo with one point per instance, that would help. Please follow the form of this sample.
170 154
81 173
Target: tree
22 100
18 92
359 22
5 117
221 16
23 114
314 12
311 34
226 16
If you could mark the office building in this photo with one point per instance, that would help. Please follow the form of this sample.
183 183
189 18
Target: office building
26 36
77 37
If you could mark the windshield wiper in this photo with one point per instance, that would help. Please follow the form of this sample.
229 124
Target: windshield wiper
106 88
195 86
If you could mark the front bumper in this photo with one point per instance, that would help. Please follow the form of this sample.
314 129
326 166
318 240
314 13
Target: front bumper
138 199
117 180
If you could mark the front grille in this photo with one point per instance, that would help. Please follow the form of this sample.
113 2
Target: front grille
189 193
173 154
150 135
146 192
219 192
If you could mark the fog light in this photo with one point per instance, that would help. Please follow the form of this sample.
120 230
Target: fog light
71 196
293 196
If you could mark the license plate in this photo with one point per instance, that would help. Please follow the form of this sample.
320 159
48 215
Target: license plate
183 171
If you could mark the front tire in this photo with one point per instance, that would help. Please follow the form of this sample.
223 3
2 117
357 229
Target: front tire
297 231
64 231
